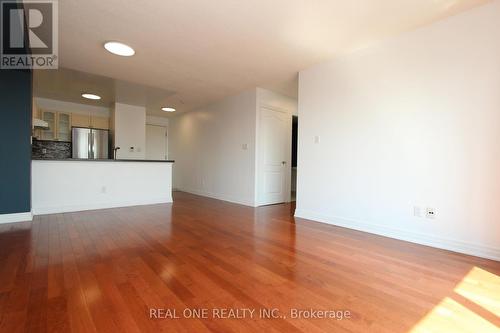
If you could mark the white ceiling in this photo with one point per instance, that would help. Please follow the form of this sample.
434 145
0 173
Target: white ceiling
205 50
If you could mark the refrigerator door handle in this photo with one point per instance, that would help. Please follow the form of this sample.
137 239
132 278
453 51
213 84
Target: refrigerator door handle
91 146
92 135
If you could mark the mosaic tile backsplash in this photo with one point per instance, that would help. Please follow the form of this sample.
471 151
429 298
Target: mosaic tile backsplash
50 149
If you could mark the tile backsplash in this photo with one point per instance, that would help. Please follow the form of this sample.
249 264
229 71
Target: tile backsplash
50 149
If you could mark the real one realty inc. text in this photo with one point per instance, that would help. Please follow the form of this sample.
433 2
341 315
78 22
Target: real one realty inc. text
247 313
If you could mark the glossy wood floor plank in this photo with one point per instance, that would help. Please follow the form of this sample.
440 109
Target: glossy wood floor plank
102 271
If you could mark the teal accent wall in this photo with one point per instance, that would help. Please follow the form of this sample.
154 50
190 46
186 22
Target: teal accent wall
15 141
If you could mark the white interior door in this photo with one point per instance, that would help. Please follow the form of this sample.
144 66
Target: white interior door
274 156
156 142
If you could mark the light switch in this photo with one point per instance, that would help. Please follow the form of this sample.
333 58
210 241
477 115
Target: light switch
317 139
244 146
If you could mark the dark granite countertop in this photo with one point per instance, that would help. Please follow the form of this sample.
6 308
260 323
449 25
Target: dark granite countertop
45 140
100 160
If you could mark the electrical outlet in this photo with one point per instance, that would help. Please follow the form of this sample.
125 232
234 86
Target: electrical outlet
317 139
103 189
244 146
430 213
417 211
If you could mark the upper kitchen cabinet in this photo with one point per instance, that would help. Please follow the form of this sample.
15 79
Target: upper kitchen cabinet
50 118
85 120
100 122
63 127
80 120
59 126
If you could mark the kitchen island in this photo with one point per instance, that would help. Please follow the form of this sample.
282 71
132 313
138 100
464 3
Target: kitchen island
69 185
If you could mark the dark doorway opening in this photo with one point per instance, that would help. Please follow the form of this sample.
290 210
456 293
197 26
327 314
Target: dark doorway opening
295 136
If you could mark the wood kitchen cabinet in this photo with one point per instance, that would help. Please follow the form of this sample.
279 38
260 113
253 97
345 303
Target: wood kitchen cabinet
63 127
100 122
50 118
60 123
59 126
80 120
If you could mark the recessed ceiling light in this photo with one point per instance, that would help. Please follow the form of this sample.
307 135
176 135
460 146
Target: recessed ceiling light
91 96
168 109
119 49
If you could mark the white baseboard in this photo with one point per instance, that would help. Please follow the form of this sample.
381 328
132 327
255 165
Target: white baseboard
42 210
409 236
219 197
17 217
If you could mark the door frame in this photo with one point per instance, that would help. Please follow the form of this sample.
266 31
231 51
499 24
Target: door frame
258 152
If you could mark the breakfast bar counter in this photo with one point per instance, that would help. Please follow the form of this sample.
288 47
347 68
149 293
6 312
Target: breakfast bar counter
68 185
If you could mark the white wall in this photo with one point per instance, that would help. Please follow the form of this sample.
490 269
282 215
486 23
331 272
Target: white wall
208 148
129 130
412 121
66 186
214 147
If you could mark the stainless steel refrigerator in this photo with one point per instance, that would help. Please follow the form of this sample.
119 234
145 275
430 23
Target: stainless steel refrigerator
89 143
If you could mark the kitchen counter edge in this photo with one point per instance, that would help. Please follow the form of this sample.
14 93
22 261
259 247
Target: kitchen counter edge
99 160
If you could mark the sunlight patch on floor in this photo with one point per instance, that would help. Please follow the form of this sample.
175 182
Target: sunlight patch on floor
450 316
481 290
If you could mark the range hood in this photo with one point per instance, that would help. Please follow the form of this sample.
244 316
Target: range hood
39 123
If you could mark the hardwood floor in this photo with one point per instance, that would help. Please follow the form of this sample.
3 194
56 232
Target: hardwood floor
108 270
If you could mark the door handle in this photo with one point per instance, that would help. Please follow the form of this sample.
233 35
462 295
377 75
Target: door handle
89 148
